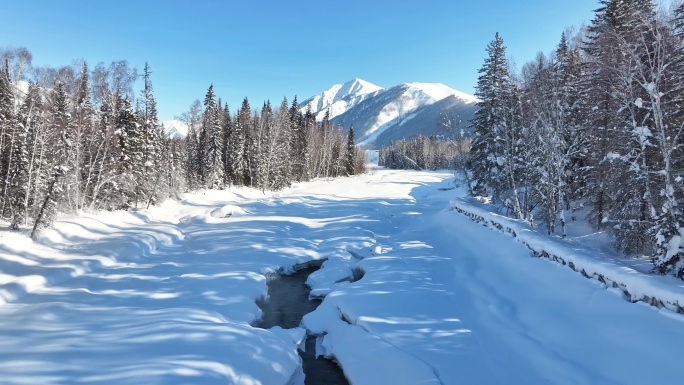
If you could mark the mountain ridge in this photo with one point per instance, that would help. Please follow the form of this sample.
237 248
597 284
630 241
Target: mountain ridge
380 115
340 97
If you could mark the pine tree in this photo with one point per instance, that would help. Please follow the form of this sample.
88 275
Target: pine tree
84 136
32 117
299 146
252 146
7 129
267 147
282 153
211 135
496 146
153 138
131 145
659 77
102 161
556 137
237 144
193 161
18 175
64 155
49 207
226 132
350 154
619 187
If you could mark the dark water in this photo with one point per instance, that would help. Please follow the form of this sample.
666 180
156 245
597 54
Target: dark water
288 303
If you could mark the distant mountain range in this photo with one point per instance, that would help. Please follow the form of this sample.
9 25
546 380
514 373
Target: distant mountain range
382 115
175 128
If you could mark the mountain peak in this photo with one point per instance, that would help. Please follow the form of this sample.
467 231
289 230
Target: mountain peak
340 97
380 115
439 91
358 86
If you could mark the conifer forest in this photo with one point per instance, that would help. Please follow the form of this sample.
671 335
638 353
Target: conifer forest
595 130
77 139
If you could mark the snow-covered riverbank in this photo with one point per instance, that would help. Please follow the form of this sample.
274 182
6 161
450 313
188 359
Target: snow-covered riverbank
167 295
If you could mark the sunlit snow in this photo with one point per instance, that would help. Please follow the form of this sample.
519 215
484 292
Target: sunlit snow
167 295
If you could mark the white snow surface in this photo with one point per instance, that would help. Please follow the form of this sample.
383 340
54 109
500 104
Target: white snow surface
167 295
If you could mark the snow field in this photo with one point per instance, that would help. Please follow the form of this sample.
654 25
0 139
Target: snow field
168 295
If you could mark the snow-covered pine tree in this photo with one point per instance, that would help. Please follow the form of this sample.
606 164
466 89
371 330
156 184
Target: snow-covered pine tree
252 147
226 132
18 175
211 133
49 207
311 132
551 88
7 136
601 55
609 94
299 146
85 139
619 184
241 124
32 116
496 147
153 139
101 162
659 77
267 147
324 153
64 155
282 137
131 145
350 153
193 119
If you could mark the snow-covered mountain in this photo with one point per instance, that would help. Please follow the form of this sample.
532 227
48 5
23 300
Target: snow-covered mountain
175 128
380 116
340 98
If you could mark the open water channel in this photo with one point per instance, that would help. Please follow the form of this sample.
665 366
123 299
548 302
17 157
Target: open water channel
288 302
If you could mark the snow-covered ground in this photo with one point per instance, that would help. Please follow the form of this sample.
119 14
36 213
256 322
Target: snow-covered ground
166 295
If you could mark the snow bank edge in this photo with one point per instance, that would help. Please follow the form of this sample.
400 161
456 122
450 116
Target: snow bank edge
635 286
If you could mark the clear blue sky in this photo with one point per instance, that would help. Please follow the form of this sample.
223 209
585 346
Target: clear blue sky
270 49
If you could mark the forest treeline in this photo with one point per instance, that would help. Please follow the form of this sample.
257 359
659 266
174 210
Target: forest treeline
424 153
74 139
596 127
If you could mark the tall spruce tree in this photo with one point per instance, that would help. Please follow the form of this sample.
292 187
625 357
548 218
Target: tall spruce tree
496 144
131 145
557 138
211 134
226 132
350 153
64 155
242 123
7 135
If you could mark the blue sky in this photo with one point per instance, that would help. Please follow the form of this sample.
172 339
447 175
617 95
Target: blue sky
270 49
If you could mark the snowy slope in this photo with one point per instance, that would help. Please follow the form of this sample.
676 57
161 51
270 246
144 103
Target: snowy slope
401 109
340 98
398 112
427 120
167 295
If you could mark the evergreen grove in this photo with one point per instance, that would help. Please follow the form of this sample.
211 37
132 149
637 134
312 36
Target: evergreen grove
594 129
75 139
